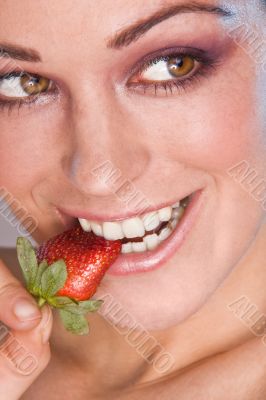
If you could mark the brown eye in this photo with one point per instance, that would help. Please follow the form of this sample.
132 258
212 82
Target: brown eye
34 84
166 68
181 65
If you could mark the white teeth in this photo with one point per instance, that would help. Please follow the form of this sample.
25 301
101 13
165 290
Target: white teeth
126 247
133 227
138 247
136 227
96 228
176 205
151 241
173 223
112 231
165 214
178 212
151 220
86 226
164 233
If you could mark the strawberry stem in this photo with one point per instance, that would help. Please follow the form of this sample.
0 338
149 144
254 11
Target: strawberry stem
41 301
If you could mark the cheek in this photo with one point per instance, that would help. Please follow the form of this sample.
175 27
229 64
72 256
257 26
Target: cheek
224 128
27 148
214 125
29 156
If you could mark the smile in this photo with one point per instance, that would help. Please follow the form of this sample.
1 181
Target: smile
148 240
140 233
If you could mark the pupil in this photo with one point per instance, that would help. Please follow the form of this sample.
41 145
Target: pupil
179 63
33 81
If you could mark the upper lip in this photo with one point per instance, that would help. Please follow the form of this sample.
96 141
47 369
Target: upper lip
104 217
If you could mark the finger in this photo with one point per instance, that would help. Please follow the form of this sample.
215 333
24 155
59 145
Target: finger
23 356
18 309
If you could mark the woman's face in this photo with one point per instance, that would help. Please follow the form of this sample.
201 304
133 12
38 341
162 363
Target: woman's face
172 129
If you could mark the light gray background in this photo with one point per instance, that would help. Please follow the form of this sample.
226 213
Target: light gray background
9 233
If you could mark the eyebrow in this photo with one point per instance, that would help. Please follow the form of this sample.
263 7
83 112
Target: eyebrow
127 35
139 28
8 50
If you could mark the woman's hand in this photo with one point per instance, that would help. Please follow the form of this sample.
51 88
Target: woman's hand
24 335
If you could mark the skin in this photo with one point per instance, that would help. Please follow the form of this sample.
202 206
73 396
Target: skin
188 141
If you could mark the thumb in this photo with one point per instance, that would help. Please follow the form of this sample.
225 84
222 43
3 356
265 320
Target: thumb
23 356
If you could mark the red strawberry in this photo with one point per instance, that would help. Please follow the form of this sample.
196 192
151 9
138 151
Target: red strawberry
66 271
87 258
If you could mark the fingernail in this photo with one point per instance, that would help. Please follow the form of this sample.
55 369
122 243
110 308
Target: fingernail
47 315
26 310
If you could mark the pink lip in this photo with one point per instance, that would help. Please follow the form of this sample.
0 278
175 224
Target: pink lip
103 217
143 262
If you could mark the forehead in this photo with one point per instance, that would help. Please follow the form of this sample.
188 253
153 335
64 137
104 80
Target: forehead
72 17
70 26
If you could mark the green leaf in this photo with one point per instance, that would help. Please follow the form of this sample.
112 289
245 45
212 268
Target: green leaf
84 307
37 283
60 301
90 305
27 260
41 301
74 300
74 323
53 278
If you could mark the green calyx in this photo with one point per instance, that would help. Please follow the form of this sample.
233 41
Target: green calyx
44 281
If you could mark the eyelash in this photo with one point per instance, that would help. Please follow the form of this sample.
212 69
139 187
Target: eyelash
29 101
208 63
10 105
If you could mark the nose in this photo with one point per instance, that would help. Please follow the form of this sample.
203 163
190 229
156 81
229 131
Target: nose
106 146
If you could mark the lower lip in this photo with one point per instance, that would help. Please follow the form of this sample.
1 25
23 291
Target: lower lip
150 260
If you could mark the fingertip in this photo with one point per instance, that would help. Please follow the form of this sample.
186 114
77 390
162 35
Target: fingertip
26 309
